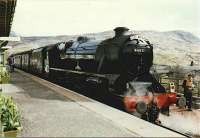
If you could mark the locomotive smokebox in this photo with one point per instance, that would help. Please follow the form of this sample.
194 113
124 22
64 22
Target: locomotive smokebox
120 31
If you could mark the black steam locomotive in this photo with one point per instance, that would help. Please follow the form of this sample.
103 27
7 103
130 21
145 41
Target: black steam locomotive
115 69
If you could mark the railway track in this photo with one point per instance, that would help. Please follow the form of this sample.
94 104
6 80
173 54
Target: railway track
184 134
183 121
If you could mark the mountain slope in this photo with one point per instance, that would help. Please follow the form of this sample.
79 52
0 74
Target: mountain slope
175 47
170 48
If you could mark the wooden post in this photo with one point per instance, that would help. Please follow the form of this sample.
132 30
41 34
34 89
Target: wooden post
177 85
198 88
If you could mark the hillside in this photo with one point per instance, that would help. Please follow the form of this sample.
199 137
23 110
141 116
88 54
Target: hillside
170 48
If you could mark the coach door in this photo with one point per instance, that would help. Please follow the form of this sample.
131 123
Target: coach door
46 62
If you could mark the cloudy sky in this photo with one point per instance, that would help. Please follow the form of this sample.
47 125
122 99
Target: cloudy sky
64 17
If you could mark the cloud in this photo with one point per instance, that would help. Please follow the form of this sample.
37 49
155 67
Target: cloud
53 17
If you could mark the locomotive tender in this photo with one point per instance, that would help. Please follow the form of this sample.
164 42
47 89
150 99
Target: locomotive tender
116 69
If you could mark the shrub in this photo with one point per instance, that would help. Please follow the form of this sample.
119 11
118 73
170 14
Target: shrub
4 75
9 114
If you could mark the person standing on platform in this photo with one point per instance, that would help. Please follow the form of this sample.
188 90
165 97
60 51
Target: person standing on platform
188 88
11 64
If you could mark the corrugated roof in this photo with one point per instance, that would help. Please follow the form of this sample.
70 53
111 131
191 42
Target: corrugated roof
7 9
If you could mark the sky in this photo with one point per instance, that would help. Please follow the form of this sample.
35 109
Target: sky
67 17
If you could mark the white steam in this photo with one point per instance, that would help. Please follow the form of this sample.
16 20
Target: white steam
183 121
138 89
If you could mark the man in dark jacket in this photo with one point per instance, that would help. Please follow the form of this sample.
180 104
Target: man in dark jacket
188 87
10 63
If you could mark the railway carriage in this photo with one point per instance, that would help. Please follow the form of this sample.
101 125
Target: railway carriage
25 57
17 61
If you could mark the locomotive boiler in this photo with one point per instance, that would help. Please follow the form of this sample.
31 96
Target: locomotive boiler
116 70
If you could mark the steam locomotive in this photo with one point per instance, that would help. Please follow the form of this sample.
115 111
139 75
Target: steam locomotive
116 69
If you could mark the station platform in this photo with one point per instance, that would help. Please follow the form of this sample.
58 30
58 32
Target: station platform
49 110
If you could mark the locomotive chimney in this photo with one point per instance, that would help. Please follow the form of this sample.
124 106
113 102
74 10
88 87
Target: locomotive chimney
120 31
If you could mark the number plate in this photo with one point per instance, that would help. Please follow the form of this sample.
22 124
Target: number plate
138 50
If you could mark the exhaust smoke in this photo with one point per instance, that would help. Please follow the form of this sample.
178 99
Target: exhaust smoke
138 89
183 121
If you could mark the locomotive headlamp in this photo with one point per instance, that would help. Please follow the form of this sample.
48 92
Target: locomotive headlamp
141 107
